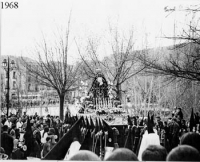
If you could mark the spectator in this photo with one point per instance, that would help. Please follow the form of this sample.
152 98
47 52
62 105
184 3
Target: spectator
191 139
8 123
3 119
44 134
122 154
37 150
24 116
53 137
17 133
159 123
37 134
46 147
48 120
6 141
179 114
12 131
174 133
85 155
17 153
184 153
19 124
154 153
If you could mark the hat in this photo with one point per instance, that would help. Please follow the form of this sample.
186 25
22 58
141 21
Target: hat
51 131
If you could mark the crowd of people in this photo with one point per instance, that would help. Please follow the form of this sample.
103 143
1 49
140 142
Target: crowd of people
178 140
15 135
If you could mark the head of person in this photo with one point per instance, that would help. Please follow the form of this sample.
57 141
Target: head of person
178 109
51 131
165 123
52 135
191 139
122 154
154 153
5 128
158 119
13 126
38 126
183 153
174 119
48 139
183 122
84 155
46 129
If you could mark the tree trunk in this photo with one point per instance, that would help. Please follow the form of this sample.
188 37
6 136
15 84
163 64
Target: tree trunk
119 92
62 99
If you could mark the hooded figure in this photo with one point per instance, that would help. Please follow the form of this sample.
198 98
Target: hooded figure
29 141
129 121
88 142
192 121
150 137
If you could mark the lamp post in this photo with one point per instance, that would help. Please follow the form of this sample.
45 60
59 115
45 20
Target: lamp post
8 66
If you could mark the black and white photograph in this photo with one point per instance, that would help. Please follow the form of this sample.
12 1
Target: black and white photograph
100 80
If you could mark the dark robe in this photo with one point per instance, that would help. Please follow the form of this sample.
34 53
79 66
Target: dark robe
17 154
7 143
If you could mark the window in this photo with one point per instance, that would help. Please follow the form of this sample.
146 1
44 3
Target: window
6 85
14 75
36 88
29 79
14 84
29 87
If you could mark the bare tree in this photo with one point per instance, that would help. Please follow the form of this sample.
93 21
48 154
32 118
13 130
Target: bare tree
181 61
52 68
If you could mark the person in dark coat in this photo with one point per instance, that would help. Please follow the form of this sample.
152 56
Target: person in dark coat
17 153
48 121
179 114
197 118
6 141
174 133
46 147
37 150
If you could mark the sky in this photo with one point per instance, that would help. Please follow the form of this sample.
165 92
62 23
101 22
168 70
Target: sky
23 28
